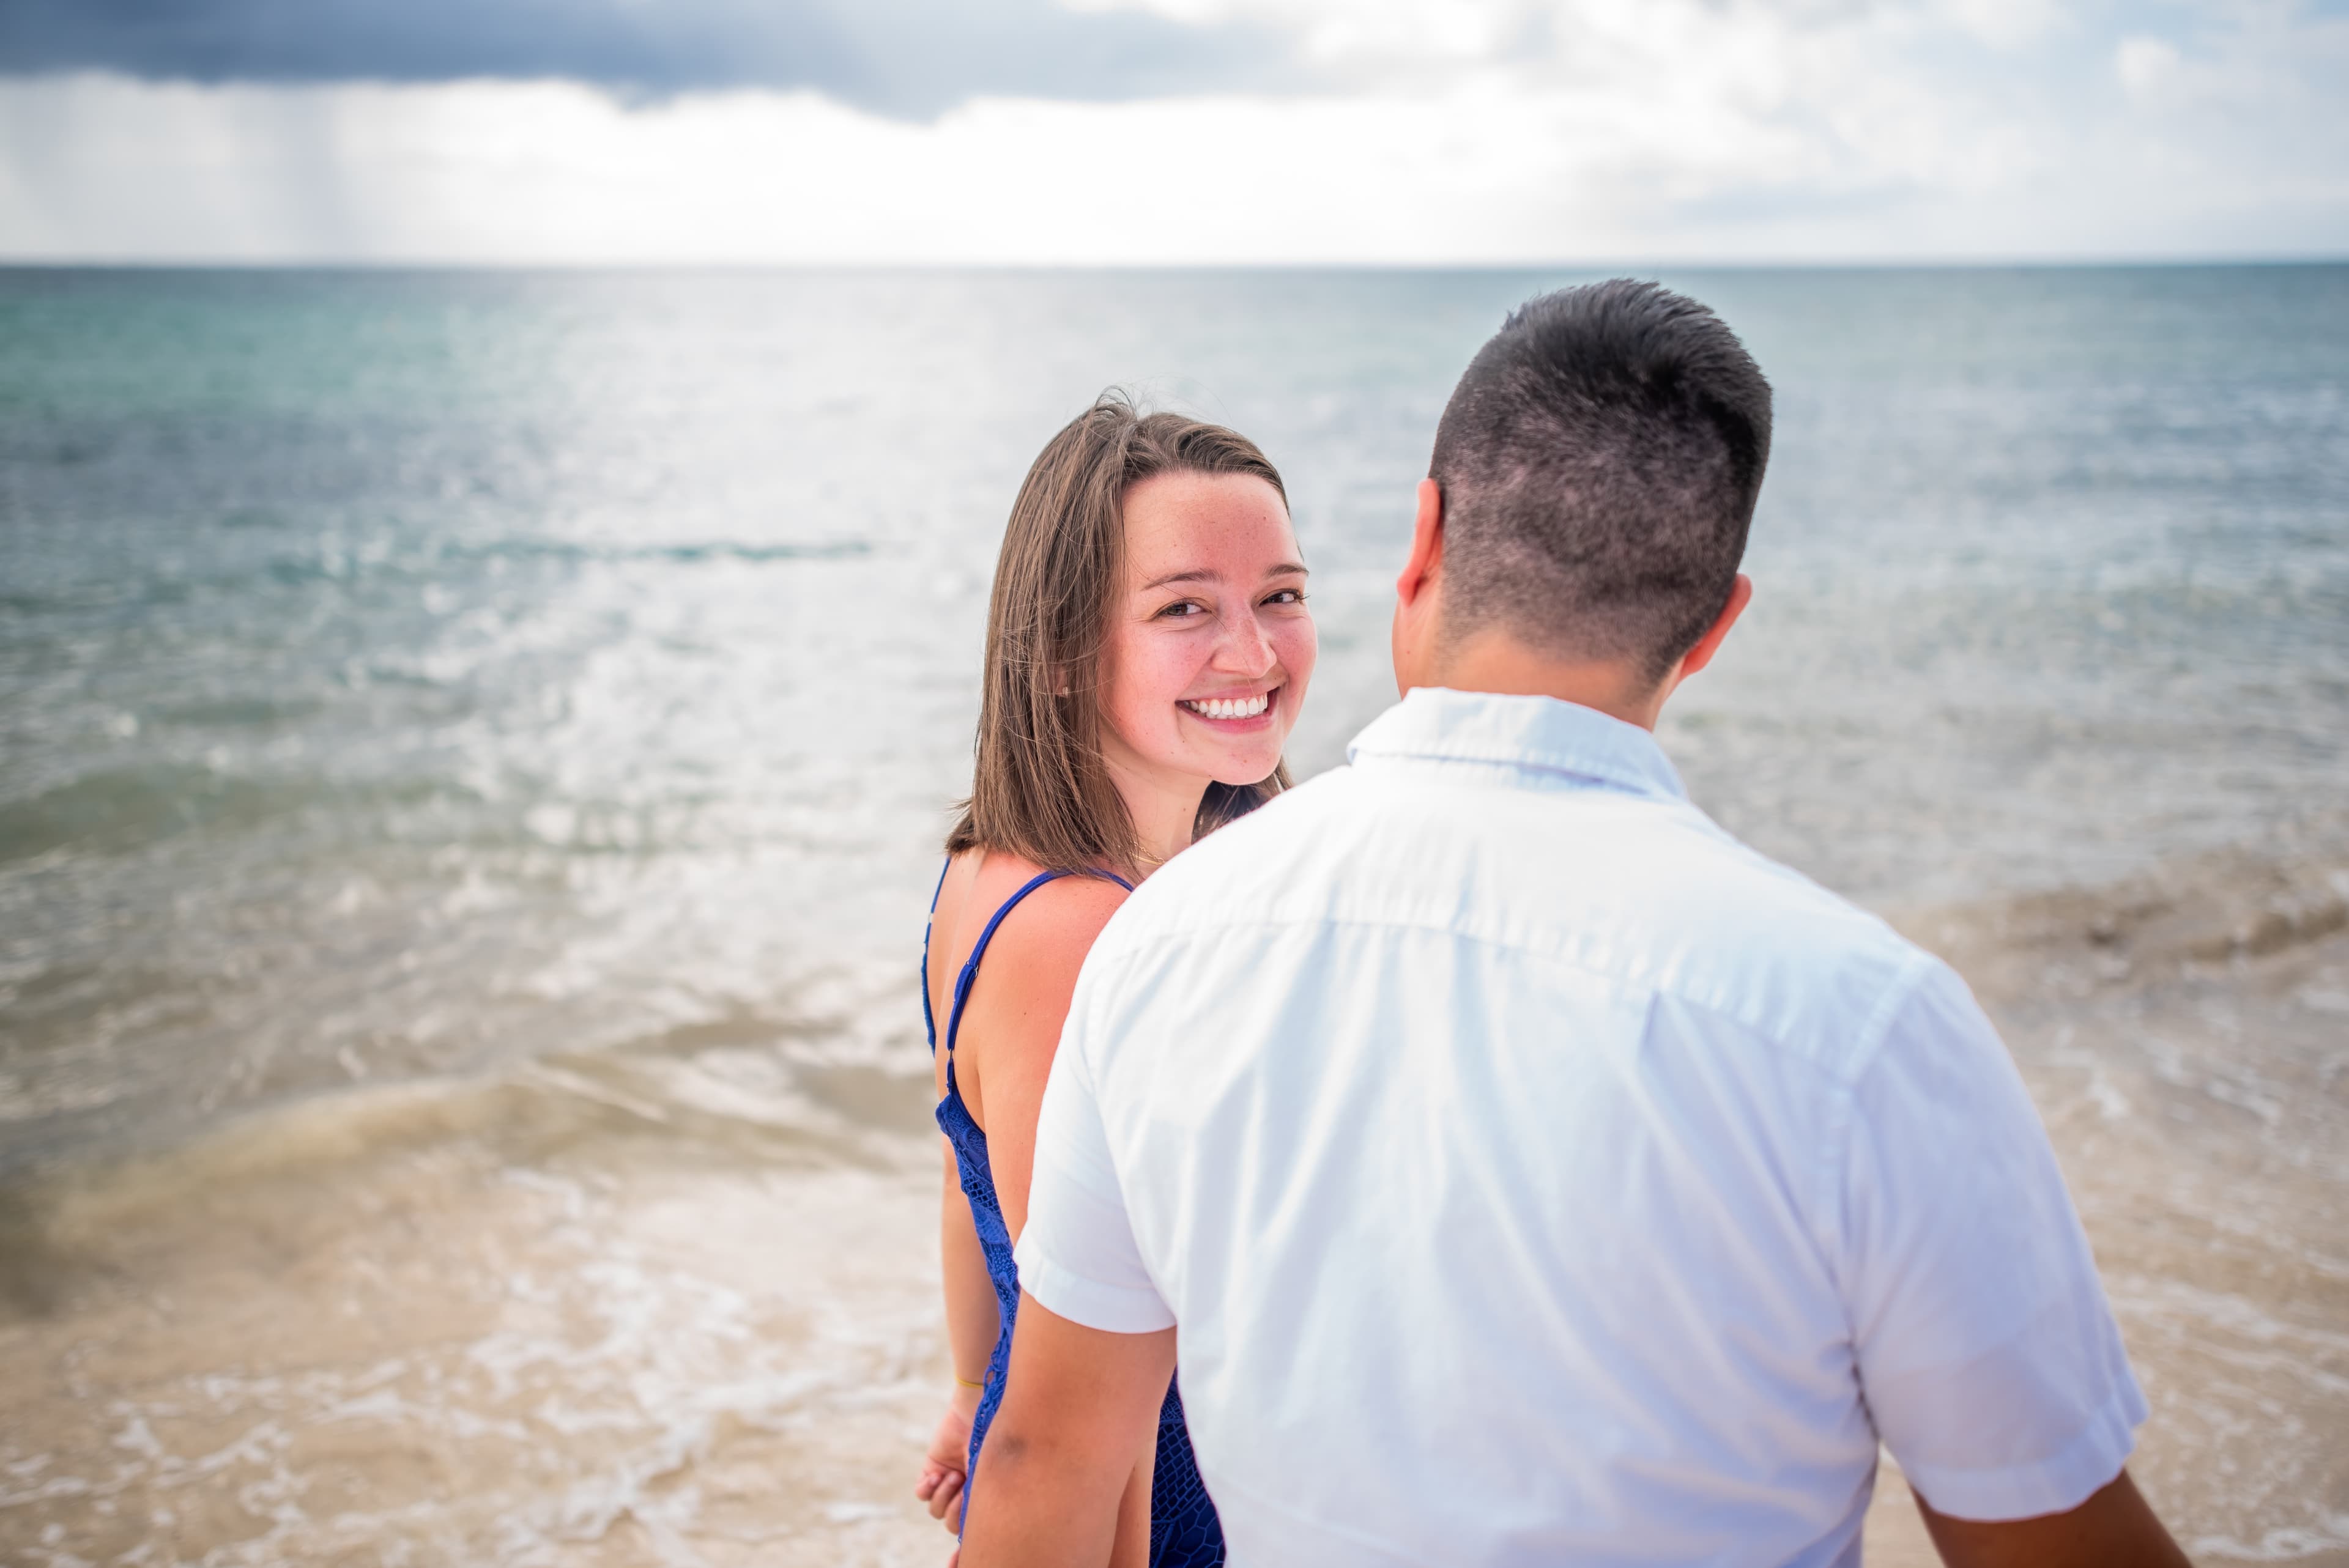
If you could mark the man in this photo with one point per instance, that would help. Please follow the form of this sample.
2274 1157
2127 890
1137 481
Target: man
1530 1173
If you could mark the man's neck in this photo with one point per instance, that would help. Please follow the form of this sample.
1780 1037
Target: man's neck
1495 662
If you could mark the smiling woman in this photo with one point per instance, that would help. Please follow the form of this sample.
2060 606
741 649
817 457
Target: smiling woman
1147 645
1208 659
1147 650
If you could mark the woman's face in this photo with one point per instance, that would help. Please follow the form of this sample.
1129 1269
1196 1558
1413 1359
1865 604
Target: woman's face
1211 645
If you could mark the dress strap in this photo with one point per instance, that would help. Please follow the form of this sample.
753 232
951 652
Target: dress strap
978 951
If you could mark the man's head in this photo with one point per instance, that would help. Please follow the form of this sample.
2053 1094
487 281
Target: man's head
1594 477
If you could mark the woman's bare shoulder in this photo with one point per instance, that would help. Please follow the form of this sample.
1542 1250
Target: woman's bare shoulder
1043 943
1012 1019
1063 916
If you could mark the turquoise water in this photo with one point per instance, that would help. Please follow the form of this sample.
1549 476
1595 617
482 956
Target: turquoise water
408 673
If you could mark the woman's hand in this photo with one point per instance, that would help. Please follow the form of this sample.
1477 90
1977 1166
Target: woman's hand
943 1467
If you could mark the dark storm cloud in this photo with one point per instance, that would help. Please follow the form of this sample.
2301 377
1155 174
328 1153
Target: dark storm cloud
904 57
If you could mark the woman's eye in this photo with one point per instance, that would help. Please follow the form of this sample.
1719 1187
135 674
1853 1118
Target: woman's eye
1182 611
1288 596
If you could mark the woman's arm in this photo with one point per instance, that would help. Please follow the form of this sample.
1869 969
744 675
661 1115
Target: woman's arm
1011 1023
1011 1029
973 1318
973 1321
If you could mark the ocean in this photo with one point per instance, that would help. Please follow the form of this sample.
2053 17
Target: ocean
474 747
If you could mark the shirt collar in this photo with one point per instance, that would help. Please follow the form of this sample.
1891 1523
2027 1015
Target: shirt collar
1540 734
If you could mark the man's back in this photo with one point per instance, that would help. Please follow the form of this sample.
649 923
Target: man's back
1535 1174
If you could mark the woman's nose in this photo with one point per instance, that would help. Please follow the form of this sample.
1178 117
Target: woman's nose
1244 649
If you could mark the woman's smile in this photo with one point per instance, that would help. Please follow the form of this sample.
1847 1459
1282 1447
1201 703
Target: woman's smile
1234 713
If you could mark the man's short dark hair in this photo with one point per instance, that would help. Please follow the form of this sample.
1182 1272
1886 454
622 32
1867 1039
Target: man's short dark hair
1600 462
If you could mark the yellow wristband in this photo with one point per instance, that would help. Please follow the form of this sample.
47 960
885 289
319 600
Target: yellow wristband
968 1384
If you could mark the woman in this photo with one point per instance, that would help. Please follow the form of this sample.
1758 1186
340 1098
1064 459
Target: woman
1147 648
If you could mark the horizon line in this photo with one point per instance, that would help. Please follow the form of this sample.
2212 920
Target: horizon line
2084 262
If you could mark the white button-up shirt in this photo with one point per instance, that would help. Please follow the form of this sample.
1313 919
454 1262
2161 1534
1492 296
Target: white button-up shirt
1535 1174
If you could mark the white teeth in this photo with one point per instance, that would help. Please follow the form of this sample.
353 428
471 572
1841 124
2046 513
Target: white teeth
1231 707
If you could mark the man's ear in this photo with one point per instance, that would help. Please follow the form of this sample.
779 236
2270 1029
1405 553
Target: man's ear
1426 562
1741 594
1418 602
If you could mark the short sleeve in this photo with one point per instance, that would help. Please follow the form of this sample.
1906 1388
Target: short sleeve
1077 1253
1987 1353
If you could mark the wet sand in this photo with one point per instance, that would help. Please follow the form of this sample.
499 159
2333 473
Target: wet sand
598 1313
555 1364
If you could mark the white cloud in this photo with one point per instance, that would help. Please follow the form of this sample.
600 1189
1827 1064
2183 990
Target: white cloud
1468 131
2146 65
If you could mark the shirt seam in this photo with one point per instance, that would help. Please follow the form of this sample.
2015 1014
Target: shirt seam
1876 1022
1080 1292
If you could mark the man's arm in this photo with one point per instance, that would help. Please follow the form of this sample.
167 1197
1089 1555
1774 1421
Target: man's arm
1987 1354
1079 1405
2113 1528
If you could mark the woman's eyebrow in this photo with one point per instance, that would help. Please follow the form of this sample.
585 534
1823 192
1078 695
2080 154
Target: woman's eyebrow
1201 574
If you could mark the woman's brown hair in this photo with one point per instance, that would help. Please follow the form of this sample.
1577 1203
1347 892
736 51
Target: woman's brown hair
1041 790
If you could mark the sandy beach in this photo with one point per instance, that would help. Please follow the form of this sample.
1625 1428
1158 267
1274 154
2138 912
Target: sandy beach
622 1310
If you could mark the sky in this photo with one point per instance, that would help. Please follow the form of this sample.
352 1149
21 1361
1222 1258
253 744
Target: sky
1082 133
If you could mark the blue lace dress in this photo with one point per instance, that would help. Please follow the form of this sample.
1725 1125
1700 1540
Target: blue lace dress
1184 1530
